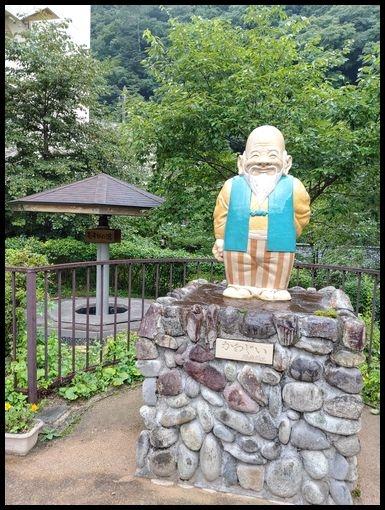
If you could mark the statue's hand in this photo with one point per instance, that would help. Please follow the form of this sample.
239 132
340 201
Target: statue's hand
218 249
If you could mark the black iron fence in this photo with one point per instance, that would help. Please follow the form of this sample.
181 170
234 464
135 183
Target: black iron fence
53 331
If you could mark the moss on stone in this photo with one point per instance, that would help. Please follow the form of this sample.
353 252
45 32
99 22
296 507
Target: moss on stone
330 312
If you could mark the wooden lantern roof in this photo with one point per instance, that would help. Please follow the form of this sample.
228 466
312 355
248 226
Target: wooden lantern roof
100 194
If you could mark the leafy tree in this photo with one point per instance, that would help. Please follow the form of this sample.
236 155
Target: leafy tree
217 82
351 205
49 79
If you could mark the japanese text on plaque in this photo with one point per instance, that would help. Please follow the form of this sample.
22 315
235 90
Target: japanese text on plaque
244 351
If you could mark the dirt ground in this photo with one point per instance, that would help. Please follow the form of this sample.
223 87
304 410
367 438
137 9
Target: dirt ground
95 464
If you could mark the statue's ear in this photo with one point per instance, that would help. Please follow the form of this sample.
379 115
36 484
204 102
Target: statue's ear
241 164
288 161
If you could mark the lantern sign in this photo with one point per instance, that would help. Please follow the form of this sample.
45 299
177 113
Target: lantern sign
103 235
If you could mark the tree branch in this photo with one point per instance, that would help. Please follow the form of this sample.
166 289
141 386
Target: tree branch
216 166
319 188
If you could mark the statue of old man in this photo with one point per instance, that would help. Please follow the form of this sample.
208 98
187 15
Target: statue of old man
257 218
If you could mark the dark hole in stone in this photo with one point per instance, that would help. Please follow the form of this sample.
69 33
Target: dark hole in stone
92 310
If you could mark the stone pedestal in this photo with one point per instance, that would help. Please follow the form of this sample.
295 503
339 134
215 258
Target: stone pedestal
285 431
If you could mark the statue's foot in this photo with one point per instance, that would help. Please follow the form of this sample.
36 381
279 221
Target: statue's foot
256 291
237 292
274 295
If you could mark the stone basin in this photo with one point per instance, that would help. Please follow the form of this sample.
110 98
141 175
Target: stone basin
302 301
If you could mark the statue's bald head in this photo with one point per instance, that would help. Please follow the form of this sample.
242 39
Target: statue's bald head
265 146
265 135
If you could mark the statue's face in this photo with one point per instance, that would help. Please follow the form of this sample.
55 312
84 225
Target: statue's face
265 153
268 159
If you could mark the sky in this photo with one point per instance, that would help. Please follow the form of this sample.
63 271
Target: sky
80 18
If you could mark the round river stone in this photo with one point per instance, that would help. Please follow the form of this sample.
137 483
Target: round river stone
238 399
162 462
163 437
187 462
345 406
205 416
315 493
210 458
251 477
284 477
305 369
346 379
315 463
331 424
302 396
235 420
192 435
305 437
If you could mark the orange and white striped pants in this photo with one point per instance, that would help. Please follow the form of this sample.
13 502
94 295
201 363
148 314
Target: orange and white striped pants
258 267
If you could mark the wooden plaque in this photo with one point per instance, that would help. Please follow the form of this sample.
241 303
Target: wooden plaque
103 235
244 351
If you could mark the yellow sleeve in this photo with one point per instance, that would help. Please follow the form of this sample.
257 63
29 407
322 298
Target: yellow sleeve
220 211
301 201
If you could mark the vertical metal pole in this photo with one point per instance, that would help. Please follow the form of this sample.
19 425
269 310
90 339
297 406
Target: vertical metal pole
372 323
14 328
358 291
88 318
170 282
73 317
328 277
115 301
59 324
45 325
103 253
129 308
143 287
31 337
157 281
101 319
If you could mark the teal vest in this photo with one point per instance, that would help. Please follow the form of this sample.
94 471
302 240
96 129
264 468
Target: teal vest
281 235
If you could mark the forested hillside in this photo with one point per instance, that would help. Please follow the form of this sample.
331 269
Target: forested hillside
116 32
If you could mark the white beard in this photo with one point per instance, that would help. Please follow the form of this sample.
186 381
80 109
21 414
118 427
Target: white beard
262 185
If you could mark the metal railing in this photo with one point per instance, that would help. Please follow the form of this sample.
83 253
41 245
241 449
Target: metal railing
44 316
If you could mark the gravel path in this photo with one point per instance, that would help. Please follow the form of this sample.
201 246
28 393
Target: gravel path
95 464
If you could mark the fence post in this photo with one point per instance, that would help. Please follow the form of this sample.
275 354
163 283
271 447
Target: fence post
31 337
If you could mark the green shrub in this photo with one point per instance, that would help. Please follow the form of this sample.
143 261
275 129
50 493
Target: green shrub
371 374
66 250
32 244
61 251
86 383
20 415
